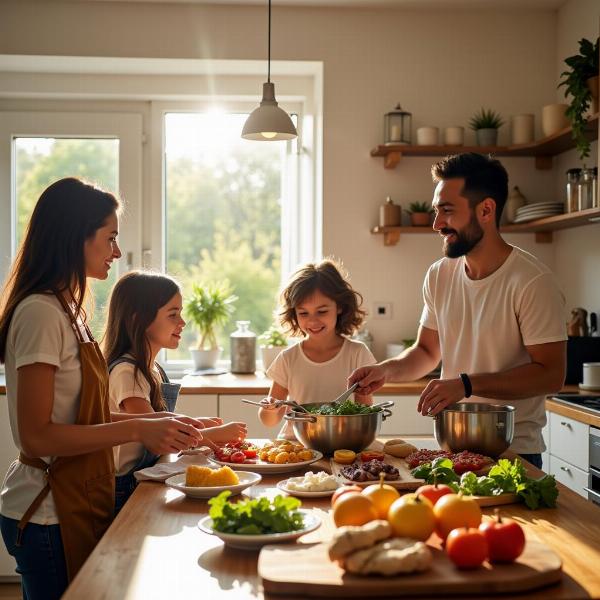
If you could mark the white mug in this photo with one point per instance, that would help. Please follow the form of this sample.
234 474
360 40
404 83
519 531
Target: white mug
591 375
428 136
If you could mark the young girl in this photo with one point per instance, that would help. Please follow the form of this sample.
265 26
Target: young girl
319 304
145 316
57 499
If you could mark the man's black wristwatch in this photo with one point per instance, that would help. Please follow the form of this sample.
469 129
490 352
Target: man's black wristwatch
467 383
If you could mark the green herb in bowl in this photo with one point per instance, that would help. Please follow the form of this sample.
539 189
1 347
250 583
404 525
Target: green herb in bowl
255 516
347 407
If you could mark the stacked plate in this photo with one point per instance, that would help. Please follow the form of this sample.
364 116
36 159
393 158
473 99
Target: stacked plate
539 210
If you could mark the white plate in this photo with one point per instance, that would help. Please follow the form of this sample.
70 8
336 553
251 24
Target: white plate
540 205
253 542
526 218
269 468
589 388
282 485
246 480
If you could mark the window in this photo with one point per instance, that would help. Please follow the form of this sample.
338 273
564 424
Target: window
223 203
42 161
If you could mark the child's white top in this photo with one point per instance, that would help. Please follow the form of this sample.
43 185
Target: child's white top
308 381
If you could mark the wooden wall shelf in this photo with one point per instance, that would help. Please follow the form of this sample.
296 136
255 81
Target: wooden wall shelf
542 150
542 228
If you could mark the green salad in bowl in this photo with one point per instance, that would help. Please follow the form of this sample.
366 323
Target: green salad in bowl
347 407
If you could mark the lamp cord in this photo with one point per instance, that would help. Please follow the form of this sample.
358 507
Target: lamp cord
269 48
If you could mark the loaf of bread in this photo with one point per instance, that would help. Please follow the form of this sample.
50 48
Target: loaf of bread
398 448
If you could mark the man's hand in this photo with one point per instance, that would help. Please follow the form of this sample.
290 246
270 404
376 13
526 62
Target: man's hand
370 379
440 393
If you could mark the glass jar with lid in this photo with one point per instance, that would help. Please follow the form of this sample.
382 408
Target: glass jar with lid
585 188
572 201
243 348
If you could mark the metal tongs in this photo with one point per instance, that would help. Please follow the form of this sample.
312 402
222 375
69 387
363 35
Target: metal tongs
345 395
278 403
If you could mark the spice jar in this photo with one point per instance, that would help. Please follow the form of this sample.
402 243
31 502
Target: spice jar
585 189
243 349
390 214
571 200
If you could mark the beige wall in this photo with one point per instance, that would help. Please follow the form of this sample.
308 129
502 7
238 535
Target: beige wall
577 253
442 66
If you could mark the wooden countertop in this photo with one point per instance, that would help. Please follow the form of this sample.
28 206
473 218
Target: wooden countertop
155 550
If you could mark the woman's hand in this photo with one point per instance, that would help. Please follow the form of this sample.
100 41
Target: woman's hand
167 434
230 432
210 421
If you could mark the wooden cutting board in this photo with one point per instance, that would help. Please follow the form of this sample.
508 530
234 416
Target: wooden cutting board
305 570
406 482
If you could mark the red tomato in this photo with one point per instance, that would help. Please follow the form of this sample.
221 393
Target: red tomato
368 455
467 547
250 452
344 489
434 492
505 538
237 457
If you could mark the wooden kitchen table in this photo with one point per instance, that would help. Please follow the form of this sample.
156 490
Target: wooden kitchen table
154 549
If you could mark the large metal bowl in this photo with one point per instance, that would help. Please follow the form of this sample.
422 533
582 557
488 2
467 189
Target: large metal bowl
484 428
328 433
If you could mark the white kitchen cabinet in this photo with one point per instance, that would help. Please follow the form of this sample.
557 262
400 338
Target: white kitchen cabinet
570 441
405 419
546 436
231 408
8 453
574 478
198 405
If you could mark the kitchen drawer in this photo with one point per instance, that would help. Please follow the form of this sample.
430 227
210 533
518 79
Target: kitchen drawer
231 408
546 431
569 440
405 419
197 405
574 478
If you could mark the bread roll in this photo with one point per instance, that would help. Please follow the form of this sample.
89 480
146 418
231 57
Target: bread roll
398 448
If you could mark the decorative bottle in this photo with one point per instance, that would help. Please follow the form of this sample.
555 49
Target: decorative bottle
243 349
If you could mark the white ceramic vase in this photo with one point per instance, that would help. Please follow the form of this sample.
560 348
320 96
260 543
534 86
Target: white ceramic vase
522 127
269 354
205 359
554 118
454 136
428 136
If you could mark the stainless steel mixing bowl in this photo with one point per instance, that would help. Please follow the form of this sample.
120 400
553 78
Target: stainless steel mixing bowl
484 428
328 433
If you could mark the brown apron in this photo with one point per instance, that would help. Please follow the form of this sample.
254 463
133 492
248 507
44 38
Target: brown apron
83 486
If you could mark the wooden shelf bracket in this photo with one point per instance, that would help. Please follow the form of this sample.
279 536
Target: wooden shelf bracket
392 159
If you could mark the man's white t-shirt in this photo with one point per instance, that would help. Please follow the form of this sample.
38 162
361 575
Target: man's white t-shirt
123 385
485 324
308 381
39 332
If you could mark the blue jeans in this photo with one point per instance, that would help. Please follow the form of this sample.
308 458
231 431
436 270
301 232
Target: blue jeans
124 486
534 459
40 559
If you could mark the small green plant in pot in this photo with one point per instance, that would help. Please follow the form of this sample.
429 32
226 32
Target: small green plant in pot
420 213
486 123
272 342
581 84
208 307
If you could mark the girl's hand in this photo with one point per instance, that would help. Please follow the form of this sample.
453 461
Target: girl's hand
270 403
230 432
196 422
210 421
166 435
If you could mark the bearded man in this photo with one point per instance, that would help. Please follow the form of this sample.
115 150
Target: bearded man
493 313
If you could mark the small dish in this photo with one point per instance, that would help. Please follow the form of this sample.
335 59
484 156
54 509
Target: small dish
589 388
270 468
254 542
322 494
246 480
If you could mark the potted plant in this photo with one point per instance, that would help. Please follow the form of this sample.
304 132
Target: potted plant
210 305
581 84
486 123
420 213
272 342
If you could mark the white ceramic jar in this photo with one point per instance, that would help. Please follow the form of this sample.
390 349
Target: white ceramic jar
554 118
522 127
454 136
428 136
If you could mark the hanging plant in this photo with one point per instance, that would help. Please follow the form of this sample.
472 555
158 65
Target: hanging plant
583 66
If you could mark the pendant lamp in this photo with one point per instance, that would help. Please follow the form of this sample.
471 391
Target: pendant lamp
268 122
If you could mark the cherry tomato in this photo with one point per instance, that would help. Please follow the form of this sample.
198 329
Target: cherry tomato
237 457
368 455
467 547
505 538
250 452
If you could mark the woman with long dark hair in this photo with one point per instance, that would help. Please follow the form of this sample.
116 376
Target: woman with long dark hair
57 499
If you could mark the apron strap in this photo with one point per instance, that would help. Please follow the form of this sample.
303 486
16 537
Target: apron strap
74 323
36 463
163 374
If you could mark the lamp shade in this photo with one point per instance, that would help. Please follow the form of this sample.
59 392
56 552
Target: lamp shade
268 122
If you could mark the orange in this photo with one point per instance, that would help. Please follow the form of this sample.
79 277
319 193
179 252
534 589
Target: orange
344 489
453 511
382 495
353 509
412 516
344 457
